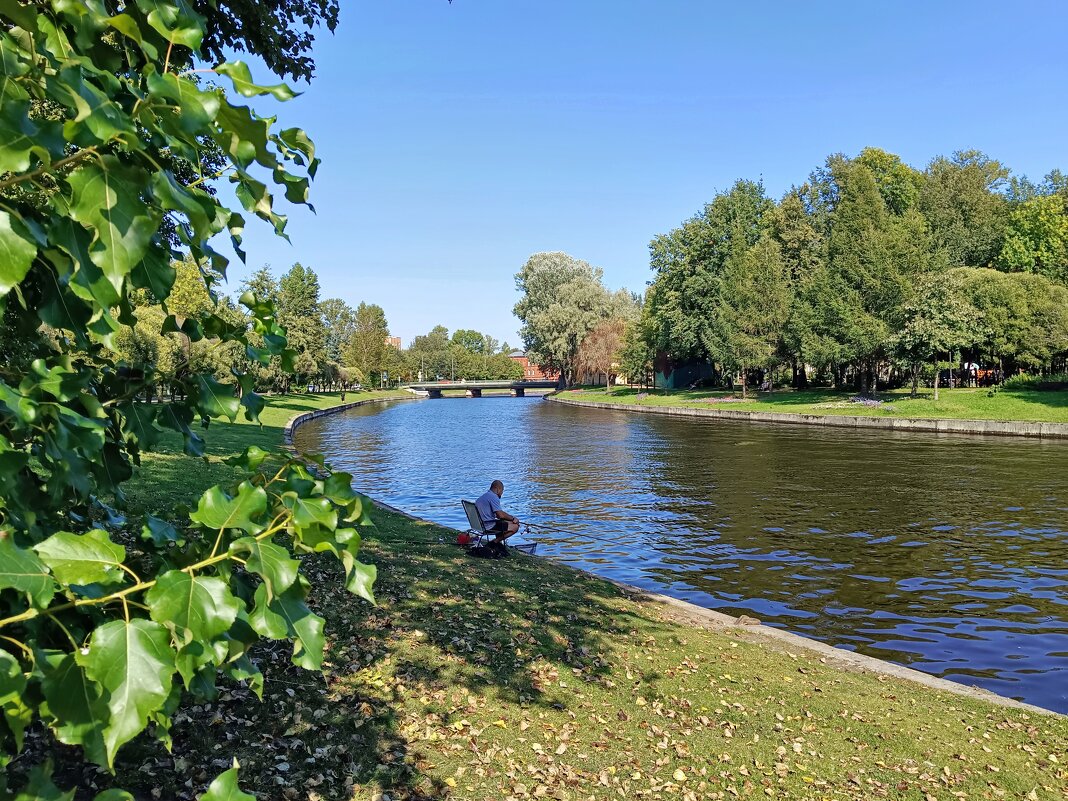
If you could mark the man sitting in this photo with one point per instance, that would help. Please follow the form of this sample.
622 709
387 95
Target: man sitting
494 519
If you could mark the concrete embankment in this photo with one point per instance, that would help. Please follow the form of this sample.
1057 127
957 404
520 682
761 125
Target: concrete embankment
997 428
300 419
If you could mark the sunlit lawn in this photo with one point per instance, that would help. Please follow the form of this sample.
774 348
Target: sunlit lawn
478 679
964 403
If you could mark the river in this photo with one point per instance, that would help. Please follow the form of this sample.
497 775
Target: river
945 553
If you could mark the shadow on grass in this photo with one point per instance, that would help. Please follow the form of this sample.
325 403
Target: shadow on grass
447 627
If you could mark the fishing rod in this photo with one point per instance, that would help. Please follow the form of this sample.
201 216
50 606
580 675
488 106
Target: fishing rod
571 532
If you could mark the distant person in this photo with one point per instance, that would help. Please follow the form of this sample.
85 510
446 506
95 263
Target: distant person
494 519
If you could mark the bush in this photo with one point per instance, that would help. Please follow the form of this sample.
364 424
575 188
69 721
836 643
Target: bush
1043 383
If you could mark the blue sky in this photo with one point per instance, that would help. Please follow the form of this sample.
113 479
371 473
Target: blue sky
458 139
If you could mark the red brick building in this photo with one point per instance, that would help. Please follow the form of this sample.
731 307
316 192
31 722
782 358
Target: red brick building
531 371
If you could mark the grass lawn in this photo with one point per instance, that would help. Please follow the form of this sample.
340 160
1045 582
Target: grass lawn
477 679
960 404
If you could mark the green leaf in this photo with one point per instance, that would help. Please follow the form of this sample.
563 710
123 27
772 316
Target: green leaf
176 21
360 577
265 621
197 205
310 511
17 251
195 655
127 26
242 669
159 531
254 404
76 705
214 399
338 488
134 662
21 570
12 686
302 625
250 459
201 606
90 558
217 510
239 73
225 788
270 562
107 200
114 794
20 138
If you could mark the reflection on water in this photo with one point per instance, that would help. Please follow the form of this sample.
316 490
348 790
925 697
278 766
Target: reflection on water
946 553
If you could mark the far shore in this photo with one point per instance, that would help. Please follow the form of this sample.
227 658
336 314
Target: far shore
1002 412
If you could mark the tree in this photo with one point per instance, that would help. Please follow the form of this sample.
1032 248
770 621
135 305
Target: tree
339 320
636 353
857 301
562 300
469 340
599 351
898 183
262 284
299 312
688 261
1037 238
1024 316
962 203
803 250
278 31
367 348
751 305
940 319
100 638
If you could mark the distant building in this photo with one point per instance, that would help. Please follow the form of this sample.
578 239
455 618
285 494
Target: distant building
394 341
531 371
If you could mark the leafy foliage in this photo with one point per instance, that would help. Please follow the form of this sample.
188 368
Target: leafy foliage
102 631
563 300
863 245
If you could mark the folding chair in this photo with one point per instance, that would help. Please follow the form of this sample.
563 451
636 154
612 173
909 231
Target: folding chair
477 533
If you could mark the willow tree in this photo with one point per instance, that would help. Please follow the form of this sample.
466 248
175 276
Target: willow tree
563 299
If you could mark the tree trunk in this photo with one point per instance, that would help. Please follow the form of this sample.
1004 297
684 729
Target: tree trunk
743 381
802 373
864 375
915 367
936 378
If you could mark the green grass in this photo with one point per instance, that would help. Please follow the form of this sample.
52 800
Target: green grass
169 477
476 679
958 404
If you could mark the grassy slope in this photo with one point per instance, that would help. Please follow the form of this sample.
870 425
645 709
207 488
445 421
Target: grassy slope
961 404
475 679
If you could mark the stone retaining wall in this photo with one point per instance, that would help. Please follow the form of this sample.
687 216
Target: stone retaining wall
1000 428
299 420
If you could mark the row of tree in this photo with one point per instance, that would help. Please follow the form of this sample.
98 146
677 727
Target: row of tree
332 343
869 269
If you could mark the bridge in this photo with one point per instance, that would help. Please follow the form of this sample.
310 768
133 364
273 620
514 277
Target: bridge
474 388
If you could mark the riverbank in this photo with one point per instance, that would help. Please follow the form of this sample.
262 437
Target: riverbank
479 679
1028 413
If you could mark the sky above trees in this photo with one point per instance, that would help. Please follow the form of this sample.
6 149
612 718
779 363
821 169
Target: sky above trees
459 139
